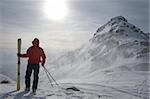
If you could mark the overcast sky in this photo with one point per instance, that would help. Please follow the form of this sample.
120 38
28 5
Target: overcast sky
29 18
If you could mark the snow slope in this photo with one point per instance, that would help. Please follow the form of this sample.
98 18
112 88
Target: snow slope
114 64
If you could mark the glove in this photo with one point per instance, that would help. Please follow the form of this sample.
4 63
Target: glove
43 64
18 54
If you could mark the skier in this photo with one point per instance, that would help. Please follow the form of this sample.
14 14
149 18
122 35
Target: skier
35 55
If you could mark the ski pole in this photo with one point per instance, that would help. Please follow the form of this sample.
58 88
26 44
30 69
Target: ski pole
51 76
48 78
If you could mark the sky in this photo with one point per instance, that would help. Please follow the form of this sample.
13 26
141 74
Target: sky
63 25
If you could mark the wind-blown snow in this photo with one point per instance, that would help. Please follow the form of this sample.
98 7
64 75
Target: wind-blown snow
120 48
114 64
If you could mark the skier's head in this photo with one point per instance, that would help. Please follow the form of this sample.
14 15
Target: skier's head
35 42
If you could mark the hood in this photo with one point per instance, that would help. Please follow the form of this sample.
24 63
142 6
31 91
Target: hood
35 42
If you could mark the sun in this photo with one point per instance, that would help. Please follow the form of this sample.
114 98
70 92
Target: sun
55 9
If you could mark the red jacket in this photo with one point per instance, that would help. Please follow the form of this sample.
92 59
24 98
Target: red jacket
35 55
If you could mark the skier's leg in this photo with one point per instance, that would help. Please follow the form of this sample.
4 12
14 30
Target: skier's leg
28 75
36 77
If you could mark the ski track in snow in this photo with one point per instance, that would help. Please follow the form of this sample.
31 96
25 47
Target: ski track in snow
87 91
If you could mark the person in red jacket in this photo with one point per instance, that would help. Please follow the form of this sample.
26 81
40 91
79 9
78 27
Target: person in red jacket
35 55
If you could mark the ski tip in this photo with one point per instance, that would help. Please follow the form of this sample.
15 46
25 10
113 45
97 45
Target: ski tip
19 38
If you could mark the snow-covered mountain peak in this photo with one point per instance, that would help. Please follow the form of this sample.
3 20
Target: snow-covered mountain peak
106 52
111 25
119 28
119 18
117 43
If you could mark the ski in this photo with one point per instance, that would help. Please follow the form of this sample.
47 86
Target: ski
18 65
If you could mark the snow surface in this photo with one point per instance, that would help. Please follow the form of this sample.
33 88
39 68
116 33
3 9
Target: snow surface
114 64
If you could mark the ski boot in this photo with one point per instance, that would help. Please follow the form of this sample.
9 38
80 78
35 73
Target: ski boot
27 89
34 91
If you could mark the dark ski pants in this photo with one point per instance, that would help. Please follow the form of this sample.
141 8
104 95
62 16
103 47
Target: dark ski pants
30 68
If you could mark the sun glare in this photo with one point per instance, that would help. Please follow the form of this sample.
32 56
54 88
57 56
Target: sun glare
55 9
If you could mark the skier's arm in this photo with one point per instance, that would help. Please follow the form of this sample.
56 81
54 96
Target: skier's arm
43 58
25 55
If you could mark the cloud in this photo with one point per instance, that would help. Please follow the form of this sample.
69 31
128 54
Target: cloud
25 18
